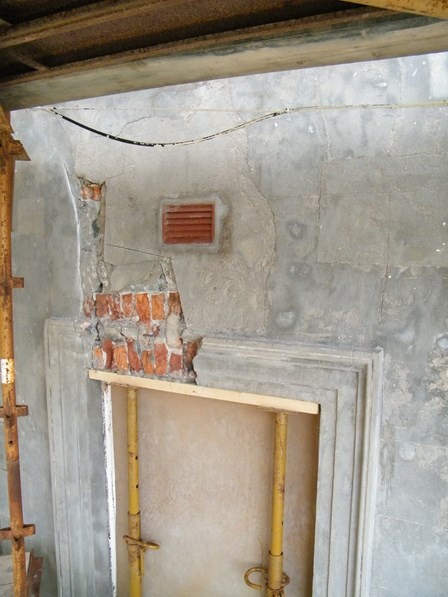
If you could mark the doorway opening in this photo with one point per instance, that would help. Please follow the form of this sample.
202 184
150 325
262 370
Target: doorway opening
205 486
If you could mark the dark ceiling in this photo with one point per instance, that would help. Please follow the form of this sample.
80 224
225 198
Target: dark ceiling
58 42
41 35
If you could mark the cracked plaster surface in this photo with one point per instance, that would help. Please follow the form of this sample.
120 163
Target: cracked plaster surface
371 182
232 281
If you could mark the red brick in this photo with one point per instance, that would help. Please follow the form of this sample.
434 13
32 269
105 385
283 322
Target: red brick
97 357
108 350
97 191
158 306
148 365
127 305
174 305
91 191
190 351
142 306
120 360
176 364
102 307
88 306
113 301
160 357
133 358
108 305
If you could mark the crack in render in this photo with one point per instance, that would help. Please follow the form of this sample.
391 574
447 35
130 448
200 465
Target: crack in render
268 260
319 200
386 271
97 328
131 123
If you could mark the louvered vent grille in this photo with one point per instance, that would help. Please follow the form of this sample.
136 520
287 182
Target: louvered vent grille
188 224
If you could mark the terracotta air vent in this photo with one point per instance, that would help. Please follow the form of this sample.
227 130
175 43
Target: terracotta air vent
189 223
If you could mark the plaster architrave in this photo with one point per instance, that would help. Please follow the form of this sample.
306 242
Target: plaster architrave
347 385
78 488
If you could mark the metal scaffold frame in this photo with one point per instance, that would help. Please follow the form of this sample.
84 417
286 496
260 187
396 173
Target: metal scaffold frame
10 151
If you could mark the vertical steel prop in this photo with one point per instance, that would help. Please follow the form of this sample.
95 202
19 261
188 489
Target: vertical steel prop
275 579
136 547
10 150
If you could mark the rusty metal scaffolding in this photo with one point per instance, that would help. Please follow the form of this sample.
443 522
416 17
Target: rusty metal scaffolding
10 151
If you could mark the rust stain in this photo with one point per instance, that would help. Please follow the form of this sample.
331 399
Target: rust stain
11 150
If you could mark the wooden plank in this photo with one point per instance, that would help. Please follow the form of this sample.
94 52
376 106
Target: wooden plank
338 38
34 575
27 59
9 147
428 8
5 125
260 400
71 20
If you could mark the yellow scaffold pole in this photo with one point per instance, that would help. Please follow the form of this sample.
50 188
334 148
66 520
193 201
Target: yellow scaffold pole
275 579
136 547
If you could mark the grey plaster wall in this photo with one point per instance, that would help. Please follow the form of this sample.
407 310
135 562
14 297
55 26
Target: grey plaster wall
45 253
336 230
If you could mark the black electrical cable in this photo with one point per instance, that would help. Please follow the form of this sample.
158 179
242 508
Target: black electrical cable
440 104
171 143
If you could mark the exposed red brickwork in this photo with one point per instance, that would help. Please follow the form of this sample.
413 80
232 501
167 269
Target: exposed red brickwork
113 302
98 357
174 305
176 364
158 306
141 334
148 362
107 305
102 308
161 359
88 306
120 360
190 350
127 305
142 306
108 349
135 364
91 191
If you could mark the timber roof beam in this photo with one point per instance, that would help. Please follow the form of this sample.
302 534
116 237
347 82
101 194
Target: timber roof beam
54 51
429 8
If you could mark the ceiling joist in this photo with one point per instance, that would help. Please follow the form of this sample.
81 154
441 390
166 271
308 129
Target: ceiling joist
429 8
281 46
110 46
24 58
72 20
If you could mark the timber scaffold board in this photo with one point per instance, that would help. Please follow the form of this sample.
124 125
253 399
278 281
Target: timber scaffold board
262 401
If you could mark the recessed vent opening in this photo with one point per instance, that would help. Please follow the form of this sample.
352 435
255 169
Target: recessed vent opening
192 223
